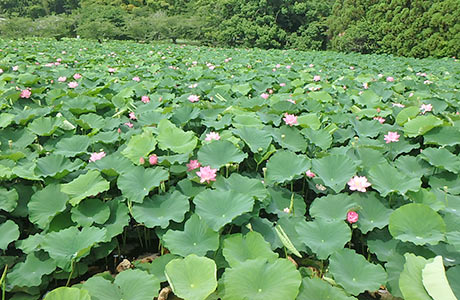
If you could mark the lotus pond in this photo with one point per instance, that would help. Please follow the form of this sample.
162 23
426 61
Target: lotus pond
226 173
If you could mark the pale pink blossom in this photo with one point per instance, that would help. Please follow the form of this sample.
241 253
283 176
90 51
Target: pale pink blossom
193 98
72 84
398 105
365 85
288 67
311 65
129 124
278 66
141 160
352 68
380 119
282 84
145 99
192 165
264 95
153 159
391 137
96 156
15 68
76 76
358 183
287 210
212 136
192 86
290 100
1 71
26 93
137 79
62 79
316 78
132 116
352 217
212 67
290 119
207 174
411 94
425 108
112 70
390 79
428 82
310 174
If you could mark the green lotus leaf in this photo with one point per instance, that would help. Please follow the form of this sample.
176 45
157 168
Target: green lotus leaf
30 272
453 275
407 114
44 126
238 249
412 166
157 266
242 184
387 179
196 238
354 273
243 89
334 170
285 166
90 211
130 284
421 125
56 165
218 208
138 182
159 210
66 293
309 120
257 140
332 207
317 289
8 199
442 158
290 138
417 223
321 96
410 281
281 199
219 153
258 279
446 181
85 185
324 237
112 164
139 146
91 121
442 136
372 212
192 278
175 139
10 233
71 244
72 146
435 281
45 204
118 220
6 119
321 138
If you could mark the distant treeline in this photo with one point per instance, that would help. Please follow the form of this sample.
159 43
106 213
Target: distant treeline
417 28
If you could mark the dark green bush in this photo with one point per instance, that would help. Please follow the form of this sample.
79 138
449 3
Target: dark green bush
17 27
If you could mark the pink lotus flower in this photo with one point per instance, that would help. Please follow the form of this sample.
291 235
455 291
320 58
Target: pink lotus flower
398 105
290 100
132 116
390 79
207 174
141 161
1 71
212 136
264 95
145 99
278 66
425 108
287 210
365 85
310 174
282 84
316 78
77 76
26 93
193 98
15 68
311 65
391 137
72 84
153 159
352 68
137 79
192 165
380 119
352 217
96 156
129 124
288 67
212 67
358 183
111 70
290 119
62 79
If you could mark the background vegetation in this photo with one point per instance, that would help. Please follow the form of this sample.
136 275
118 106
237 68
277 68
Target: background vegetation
418 28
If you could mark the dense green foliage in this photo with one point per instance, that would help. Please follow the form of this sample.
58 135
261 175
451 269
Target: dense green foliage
241 173
418 28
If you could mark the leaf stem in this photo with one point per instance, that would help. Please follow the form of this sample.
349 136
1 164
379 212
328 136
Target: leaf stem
71 272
